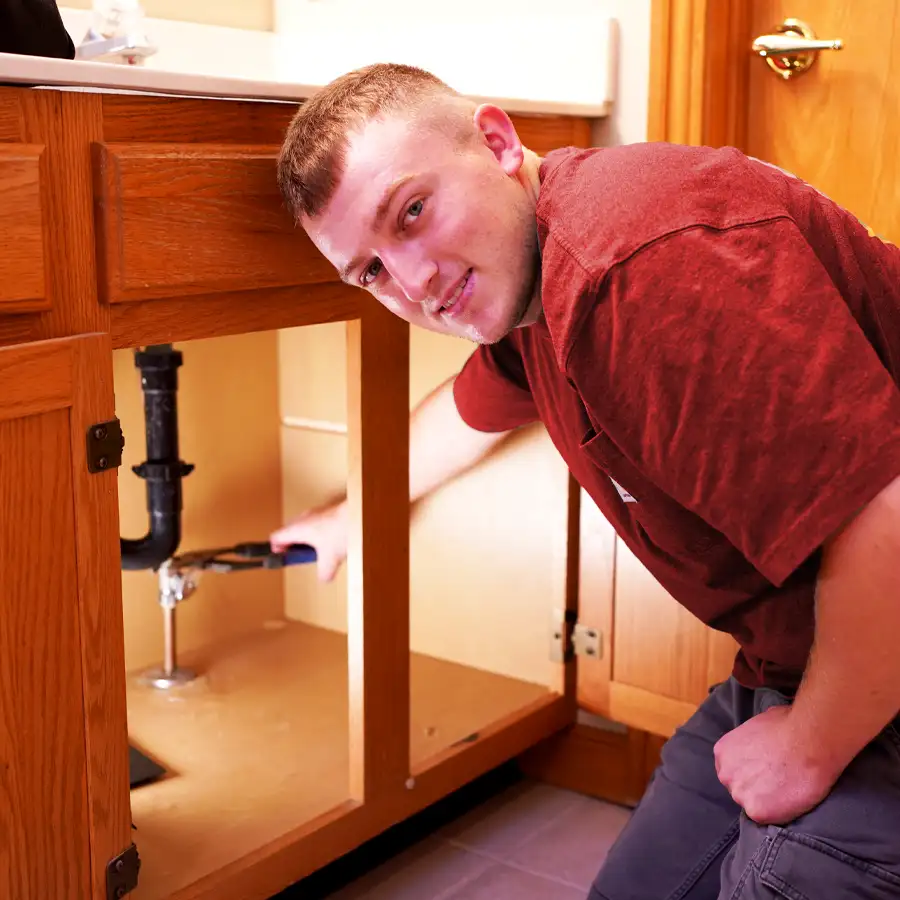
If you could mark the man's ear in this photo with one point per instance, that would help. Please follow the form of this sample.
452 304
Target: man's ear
500 136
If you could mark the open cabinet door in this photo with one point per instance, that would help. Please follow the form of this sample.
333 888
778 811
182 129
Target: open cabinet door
64 792
657 660
834 124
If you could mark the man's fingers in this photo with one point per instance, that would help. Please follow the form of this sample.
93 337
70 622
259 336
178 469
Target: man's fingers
284 537
327 570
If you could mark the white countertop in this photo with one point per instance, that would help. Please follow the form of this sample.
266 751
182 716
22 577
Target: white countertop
544 64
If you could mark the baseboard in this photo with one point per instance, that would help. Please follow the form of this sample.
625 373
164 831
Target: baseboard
611 765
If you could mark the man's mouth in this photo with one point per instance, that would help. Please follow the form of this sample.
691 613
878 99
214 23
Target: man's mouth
459 299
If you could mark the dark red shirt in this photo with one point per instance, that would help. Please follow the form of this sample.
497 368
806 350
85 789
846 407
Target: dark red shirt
717 363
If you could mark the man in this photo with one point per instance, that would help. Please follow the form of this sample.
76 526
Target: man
714 348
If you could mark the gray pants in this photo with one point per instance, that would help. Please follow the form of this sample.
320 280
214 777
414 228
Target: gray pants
688 840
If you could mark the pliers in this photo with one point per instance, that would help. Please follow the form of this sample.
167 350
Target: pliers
241 557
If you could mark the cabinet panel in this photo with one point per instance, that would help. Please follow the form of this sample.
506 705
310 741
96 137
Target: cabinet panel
64 807
180 220
659 646
193 120
10 129
43 802
657 660
22 286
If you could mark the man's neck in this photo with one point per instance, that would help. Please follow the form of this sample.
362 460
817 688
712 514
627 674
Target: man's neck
530 174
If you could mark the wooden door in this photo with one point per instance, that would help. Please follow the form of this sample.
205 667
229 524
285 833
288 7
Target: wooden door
64 803
835 126
656 660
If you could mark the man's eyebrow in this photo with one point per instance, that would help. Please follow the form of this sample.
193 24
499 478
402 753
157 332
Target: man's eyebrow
377 220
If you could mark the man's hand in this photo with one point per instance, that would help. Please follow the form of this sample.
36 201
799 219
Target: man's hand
768 772
324 528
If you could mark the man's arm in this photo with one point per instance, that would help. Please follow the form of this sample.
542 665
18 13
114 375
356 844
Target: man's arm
851 688
782 763
441 447
441 444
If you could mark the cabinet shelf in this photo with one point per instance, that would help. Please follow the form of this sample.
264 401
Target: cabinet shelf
257 745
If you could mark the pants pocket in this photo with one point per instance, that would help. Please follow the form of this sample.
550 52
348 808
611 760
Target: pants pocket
798 866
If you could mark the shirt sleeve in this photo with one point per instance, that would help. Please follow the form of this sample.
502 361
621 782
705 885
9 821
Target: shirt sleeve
492 392
730 370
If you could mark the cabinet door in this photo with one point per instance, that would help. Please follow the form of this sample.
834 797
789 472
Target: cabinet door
64 803
657 661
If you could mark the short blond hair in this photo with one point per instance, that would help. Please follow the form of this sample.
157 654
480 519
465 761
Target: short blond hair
313 154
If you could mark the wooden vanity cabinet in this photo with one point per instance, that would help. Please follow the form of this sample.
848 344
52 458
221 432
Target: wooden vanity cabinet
129 220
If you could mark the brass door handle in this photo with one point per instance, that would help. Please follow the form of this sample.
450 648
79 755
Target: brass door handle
792 48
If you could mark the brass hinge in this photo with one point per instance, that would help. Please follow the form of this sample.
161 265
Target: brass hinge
122 874
568 638
105 443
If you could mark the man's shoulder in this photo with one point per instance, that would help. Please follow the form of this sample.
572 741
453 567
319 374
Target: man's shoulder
606 203
598 208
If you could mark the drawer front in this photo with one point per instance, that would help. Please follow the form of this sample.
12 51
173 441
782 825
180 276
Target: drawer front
180 220
22 281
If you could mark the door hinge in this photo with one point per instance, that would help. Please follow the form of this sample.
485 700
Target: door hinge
105 443
587 641
568 638
122 874
562 622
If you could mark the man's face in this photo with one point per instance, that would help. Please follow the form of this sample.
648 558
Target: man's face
442 234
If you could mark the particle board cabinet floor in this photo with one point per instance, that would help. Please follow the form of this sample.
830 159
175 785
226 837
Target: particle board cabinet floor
258 744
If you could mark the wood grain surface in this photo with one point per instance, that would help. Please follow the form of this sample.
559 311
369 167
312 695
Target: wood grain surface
10 115
21 229
65 123
378 552
44 838
178 219
99 585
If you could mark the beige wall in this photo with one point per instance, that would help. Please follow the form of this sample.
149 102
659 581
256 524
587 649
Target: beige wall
487 551
229 429
255 14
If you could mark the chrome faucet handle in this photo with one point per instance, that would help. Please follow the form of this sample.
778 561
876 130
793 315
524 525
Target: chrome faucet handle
131 49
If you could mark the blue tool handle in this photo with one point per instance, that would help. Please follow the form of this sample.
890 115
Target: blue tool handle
298 554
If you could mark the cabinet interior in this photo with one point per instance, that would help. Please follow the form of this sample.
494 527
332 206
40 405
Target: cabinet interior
257 745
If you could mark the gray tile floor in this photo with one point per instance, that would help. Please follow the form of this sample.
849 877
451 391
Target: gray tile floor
531 842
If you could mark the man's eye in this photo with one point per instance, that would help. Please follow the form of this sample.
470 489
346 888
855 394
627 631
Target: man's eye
371 272
414 210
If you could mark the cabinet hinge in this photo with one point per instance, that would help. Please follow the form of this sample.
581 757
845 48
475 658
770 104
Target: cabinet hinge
561 625
105 443
122 874
568 638
587 641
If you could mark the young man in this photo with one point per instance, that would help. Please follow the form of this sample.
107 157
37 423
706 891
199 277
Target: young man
714 348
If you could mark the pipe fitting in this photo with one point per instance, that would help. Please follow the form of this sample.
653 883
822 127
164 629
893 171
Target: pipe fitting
163 470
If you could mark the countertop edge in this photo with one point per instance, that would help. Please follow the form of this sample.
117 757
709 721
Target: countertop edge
41 72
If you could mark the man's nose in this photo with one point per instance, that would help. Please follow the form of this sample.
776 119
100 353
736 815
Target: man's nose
414 273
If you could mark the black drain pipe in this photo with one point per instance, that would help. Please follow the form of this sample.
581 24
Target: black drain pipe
163 470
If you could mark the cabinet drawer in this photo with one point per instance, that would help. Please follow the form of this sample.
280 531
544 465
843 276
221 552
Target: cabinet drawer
176 220
22 284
